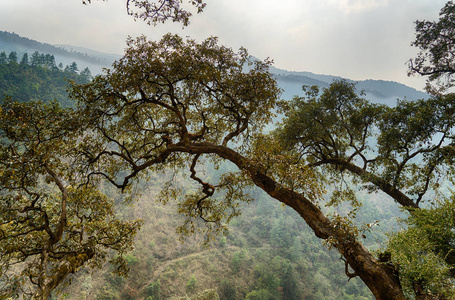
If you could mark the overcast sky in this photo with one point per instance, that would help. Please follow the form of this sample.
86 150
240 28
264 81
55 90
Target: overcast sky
356 39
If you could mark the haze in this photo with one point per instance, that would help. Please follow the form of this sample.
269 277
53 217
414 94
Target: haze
356 39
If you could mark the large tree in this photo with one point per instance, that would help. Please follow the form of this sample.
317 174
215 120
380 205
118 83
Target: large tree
50 224
175 104
406 151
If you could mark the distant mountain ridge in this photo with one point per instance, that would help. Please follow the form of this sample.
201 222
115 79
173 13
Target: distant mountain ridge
380 91
95 61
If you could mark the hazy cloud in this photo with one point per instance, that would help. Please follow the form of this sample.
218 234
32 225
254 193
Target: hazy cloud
358 6
358 39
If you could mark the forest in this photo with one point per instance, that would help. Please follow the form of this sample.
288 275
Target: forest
178 141
37 77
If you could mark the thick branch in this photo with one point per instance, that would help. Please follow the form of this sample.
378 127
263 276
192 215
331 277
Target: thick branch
380 279
387 188
62 223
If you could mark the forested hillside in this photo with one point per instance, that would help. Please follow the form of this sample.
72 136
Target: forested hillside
66 54
37 77
269 253
379 91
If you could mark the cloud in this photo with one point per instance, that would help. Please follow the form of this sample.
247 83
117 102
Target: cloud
357 39
358 6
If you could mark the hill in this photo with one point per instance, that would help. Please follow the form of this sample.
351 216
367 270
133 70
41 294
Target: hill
380 91
95 61
37 78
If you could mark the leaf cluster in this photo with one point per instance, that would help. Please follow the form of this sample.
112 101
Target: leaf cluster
424 251
50 224
436 41
159 11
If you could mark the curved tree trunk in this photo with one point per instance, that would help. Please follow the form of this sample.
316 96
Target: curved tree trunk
379 277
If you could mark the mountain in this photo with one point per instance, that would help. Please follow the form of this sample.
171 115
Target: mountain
64 54
379 91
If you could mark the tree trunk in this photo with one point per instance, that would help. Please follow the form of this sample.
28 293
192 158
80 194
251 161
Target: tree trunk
378 276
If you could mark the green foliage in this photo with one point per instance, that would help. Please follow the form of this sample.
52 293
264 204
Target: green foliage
50 223
37 78
154 290
425 251
228 289
436 40
130 259
162 96
12 58
262 294
223 241
237 260
191 284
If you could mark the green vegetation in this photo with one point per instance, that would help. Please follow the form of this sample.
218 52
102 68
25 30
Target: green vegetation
425 250
302 271
189 117
188 110
52 222
37 77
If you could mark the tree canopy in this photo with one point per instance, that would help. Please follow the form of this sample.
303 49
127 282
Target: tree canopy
174 104
405 151
37 77
50 224
436 41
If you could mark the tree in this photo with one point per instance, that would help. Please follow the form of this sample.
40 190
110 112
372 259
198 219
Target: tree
86 74
50 224
12 57
49 62
37 59
3 58
159 11
425 250
174 105
436 41
72 68
405 151
24 60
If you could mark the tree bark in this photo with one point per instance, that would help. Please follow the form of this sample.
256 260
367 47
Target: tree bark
51 282
378 276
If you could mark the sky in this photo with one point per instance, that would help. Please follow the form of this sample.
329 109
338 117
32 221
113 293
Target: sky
355 39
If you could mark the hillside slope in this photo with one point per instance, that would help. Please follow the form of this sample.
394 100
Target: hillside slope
63 54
